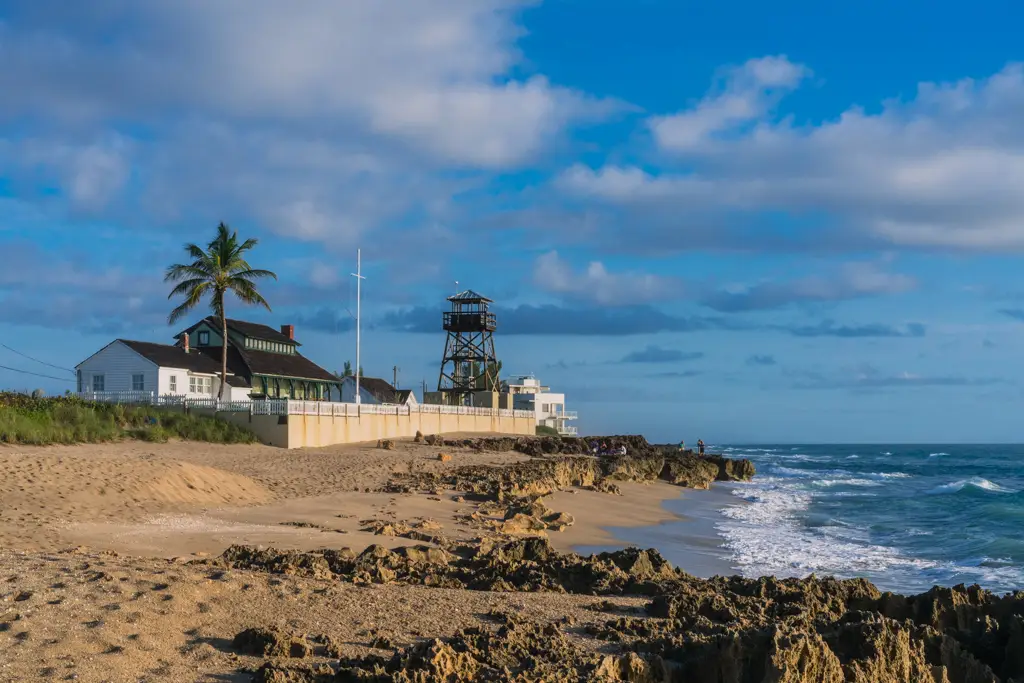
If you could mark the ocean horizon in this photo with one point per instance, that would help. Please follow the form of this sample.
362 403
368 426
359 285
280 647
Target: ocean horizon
905 516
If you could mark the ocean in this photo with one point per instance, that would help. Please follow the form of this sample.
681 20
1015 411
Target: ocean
905 517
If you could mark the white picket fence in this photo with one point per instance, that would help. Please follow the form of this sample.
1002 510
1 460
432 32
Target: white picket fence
284 406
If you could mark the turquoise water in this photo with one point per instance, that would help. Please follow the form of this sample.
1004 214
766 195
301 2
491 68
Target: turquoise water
906 517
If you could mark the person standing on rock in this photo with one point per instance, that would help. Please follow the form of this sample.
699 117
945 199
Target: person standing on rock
700 446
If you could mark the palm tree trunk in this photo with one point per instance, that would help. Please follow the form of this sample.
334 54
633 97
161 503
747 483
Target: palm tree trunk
224 353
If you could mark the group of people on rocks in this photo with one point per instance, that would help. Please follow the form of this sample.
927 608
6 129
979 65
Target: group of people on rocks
700 446
604 448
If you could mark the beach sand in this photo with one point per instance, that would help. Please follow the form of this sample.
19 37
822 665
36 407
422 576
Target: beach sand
93 541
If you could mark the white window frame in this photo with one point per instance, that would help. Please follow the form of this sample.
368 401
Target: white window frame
139 385
101 384
200 385
172 384
204 338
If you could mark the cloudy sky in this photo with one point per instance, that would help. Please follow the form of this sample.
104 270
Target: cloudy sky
778 222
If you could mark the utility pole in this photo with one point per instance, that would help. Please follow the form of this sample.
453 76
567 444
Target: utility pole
395 369
424 394
358 275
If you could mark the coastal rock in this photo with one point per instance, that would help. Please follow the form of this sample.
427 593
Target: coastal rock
264 642
561 463
727 629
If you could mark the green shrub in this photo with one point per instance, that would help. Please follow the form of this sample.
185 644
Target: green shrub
69 420
544 430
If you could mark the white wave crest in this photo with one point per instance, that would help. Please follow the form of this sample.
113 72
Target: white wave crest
766 537
935 455
974 482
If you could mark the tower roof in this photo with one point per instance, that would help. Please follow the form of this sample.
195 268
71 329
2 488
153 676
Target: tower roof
469 297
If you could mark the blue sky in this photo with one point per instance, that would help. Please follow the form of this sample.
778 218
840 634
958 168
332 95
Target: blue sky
734 221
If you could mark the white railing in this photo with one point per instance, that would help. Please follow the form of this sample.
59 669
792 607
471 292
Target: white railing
567 431
150 398
284 406
567 415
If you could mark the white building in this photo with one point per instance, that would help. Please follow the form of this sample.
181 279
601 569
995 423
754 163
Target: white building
261 363
375 391
156 369
529 394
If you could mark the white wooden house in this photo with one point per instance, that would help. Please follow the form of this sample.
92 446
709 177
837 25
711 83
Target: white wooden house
124 365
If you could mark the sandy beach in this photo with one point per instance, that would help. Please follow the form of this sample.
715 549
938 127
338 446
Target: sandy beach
173 500
188 562
94 541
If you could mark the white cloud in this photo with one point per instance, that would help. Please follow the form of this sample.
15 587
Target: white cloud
597 285
432 75
943 169
749 92
848 281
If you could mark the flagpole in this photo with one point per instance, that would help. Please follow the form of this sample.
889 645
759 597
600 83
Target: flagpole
359 296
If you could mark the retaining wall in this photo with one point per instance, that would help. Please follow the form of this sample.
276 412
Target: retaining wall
311 431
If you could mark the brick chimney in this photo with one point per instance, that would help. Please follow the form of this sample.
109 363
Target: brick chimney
184 341
288 331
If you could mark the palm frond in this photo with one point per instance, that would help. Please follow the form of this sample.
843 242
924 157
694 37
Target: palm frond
254 274
191 301
186 286
195 251
247 293
188 270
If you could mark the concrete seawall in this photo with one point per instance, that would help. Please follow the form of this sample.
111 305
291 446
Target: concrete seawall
311 431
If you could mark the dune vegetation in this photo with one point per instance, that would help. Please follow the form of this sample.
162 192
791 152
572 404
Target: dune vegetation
68 420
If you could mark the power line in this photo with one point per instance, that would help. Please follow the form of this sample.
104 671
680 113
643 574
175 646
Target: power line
36 374
36 360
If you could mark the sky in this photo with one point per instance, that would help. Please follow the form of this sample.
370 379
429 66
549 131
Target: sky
740 221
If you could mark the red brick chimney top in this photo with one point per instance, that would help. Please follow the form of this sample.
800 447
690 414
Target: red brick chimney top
184 341
288 331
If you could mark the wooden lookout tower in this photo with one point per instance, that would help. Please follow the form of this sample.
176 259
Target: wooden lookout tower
469 364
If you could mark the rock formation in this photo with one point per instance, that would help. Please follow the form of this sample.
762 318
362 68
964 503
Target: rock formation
725 629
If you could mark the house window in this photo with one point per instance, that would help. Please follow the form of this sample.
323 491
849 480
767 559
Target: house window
98 383
204 338
138 382
200 385
173 384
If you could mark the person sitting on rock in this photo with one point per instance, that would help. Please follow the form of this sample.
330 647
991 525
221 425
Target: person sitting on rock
593 447
700 446
604 449
682 445
621 450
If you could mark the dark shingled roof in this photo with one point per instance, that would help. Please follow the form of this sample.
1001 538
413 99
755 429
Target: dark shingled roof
167 356
402 395
253 330
469 297
384 392
250 362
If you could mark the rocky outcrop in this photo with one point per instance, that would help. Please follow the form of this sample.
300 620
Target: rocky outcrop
566 462
528 564
726 629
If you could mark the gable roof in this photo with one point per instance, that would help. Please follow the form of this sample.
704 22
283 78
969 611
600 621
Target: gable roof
469 296
380 389
402 395
250 362
246 329
167 356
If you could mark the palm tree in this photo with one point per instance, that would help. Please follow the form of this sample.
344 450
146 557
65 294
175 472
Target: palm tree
215 271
